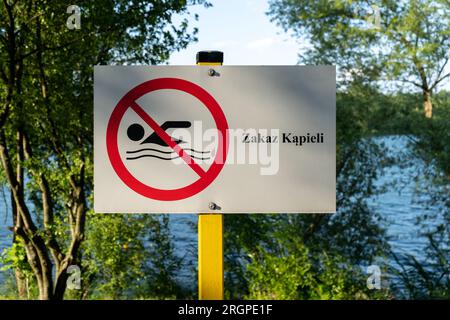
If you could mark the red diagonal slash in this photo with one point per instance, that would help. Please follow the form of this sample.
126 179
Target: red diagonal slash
167 139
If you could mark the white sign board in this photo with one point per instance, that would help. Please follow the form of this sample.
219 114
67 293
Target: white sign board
241 139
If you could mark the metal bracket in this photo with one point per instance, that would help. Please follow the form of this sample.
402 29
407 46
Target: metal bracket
214 206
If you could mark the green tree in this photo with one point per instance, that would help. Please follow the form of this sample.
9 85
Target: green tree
46 113
403 41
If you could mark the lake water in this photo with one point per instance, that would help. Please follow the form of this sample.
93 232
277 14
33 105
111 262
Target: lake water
401 204
397 205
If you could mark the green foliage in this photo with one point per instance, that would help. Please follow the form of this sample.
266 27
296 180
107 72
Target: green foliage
292 272
424 281
409 43
114 253
163 265
8 287
46 91
129 256
364 111
15 258
432 142
243 236
281 277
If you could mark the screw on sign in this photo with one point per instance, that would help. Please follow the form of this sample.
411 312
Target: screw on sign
160 136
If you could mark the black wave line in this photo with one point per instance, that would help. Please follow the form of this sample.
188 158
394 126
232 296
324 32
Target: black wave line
153 156
166 152
149 155
150 149
197 151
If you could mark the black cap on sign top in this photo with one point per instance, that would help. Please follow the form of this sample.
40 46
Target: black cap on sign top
210 56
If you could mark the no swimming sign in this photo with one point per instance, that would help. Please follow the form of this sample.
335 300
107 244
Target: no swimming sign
246 139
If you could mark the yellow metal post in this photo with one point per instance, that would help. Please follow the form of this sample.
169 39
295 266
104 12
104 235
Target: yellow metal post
210 228
210 256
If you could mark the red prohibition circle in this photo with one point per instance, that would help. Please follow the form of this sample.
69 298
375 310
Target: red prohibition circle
112 139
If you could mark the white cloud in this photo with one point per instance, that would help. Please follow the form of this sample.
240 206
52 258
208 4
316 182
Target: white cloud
262 43
224 44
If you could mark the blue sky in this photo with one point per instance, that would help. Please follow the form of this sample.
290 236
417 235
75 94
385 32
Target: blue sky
242 30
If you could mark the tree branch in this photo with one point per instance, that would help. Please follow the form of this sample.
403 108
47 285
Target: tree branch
440 80
47 206
411 82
